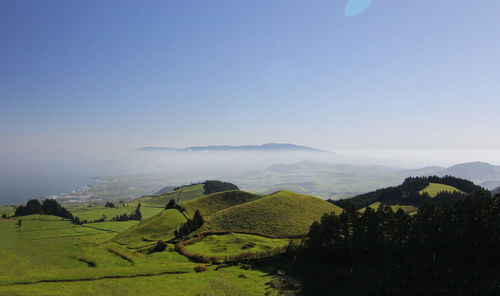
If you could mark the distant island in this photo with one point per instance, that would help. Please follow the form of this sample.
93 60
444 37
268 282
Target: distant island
264 147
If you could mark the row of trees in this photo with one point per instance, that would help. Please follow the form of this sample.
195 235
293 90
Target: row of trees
135 215
47 207
190 225
52 207
454 248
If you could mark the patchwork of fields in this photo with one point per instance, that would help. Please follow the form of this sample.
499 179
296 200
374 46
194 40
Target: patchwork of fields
47 255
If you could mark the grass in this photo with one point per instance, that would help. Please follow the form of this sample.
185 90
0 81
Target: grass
188 193
155 228
233 244
96 212
282 214
215 202
395 208
48 248
7 210
225 281
434 188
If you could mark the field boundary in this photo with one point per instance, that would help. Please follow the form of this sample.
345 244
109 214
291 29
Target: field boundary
95 279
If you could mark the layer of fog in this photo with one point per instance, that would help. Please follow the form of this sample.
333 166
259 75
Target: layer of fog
24 176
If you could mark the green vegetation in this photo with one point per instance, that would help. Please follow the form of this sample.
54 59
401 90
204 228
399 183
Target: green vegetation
453 250
233 244
226 281
161 226
213 186
434 188
415 192
97 212
185 193
395 208
49 255
215 202
281 214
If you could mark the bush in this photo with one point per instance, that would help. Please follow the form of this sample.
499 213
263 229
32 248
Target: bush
200 268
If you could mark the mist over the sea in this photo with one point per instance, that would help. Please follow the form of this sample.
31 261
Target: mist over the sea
24 176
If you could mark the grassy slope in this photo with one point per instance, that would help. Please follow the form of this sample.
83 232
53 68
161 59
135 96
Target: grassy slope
233 244
281 214
434 188
188 193
376 205
49 248
158 227
225 281
215 202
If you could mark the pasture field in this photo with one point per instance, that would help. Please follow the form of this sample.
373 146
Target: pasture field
48 255
234 244
7 210
97 212
186 193
159 227
434 188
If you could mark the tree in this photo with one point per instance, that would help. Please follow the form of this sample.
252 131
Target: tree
197 220
109 205
170 204
137 214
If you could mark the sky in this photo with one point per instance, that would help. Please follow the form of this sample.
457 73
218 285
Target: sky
360 74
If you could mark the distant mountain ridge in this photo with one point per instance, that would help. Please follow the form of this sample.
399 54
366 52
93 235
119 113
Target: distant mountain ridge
483 173
264 147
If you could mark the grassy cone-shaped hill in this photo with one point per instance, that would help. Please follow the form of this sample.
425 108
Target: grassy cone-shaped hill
281 214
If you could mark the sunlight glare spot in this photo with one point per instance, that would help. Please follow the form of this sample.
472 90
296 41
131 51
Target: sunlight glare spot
356 7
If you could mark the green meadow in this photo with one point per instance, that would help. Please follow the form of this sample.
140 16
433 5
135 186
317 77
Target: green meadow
434 188
48 255
233 244
97 212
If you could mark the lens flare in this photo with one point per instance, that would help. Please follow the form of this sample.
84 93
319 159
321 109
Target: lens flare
356 7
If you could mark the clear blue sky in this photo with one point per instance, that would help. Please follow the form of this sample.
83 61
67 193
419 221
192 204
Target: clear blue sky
369 74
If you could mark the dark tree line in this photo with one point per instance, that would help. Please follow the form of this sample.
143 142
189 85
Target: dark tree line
408 192
190 225
109 205
48 207
450 250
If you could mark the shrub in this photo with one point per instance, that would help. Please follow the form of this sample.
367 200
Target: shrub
200 268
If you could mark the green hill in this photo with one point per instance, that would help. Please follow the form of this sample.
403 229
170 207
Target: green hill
158 227
214 202
434 188
415 191
281 214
